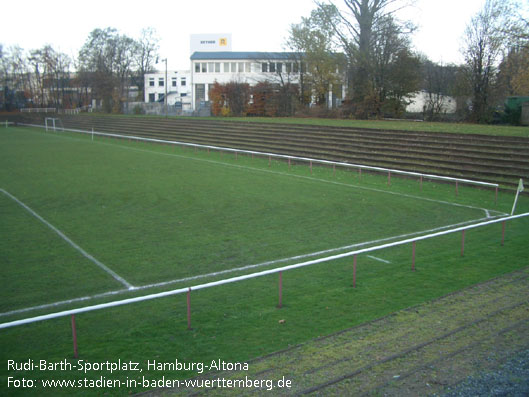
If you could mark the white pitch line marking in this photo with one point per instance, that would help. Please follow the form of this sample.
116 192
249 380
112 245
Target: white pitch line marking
378 259
70 242
486 211
273 262
310 178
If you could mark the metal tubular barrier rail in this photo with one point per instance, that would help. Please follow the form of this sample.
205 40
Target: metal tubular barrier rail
259 274
285 157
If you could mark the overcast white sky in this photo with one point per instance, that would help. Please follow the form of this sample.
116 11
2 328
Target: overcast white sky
254 25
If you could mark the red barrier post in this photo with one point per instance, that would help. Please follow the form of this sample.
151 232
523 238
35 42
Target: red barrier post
456 189
389 178
413 257
354 271
289 163
280 305
189 308
311 167
462 243
269 161
496 196
502 233
74 335
333 169
359 173
421 182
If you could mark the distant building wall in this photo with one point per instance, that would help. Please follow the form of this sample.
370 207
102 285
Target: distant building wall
525 114
420 100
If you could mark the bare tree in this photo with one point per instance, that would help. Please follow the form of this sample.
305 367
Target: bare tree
145 57
357 28
313 39
484 43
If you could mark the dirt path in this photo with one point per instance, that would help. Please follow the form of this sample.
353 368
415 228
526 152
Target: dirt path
419 351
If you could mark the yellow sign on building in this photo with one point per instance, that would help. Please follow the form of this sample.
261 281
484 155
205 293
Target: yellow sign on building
223 41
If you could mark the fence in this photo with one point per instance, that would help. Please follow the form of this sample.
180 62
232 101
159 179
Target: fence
38 110
291 159
279 270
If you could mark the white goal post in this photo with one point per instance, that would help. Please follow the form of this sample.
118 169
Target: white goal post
53 123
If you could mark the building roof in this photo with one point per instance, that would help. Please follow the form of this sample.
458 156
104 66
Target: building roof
244 55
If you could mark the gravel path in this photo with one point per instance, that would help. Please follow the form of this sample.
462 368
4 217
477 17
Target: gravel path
511 379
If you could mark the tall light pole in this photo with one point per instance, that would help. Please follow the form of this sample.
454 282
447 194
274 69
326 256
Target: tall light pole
165 85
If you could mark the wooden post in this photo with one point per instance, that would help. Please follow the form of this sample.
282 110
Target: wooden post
413 257
456 189
280 305
389 178
421 182
496 196
354 271
189 308
463 242
502 233
310 167
74 335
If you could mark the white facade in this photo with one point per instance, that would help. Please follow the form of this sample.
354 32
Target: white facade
420 100
242 67
178 86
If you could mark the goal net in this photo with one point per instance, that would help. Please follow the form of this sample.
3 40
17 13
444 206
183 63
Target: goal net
53 124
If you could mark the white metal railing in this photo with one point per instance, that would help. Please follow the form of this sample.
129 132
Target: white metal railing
38 110
289 158
254 275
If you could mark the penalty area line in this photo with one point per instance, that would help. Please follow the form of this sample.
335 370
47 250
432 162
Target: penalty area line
213 274
70 242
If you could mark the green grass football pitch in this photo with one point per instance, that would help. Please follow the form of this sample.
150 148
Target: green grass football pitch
76 213
154 214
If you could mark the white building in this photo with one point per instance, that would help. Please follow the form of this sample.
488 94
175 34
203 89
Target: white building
213 61
177 86
421 101
243 67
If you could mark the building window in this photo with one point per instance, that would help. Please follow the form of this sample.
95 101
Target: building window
160 97
151 81
226 67
272 67
248 67
183 82
197 67
160 82
210 67
288 67
241 67
264 67
151 98
173 81
296 67
233 67
217 67
183 94
279 67
204 67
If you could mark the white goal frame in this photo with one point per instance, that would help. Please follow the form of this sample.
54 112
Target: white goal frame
55 123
